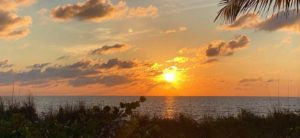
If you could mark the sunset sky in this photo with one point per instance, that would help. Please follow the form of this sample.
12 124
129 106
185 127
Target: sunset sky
144 47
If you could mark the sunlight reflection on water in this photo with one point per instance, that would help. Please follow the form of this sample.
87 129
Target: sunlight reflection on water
169 107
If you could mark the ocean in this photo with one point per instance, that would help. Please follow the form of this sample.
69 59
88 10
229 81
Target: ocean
168 107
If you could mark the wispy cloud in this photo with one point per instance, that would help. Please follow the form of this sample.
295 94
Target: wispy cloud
38 66
110 49
280 21
210 61
251 80
187 6
5 64
94 50
247 21
118 64
179 29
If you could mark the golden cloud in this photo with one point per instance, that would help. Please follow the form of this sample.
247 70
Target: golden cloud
12 26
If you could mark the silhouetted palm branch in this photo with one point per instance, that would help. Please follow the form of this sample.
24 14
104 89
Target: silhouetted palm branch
232 8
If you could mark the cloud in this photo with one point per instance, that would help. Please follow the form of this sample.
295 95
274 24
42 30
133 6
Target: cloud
283 21
287 40
100 10
270 81
113 80
222 48
210 61
251 80
63 57
76 74
118 64
12 5
6 77
38 66
151 11
11 25
25 2
5 64
38 76
171 31
247 21
110 49
83 81
178 60
43 16
212 52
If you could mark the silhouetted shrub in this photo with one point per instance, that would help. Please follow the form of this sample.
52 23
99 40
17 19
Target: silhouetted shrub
79 120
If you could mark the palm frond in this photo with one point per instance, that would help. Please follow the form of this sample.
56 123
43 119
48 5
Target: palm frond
231 9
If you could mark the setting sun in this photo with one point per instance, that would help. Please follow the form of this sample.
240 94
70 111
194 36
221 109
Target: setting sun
170 76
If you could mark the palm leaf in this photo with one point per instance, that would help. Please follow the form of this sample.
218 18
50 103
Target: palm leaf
231 9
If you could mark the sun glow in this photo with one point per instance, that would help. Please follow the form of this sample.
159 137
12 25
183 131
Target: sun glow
171 74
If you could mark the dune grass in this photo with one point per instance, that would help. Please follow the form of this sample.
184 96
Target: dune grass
20 119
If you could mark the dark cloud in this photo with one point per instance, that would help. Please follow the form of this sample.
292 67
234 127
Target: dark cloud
83 81
5 64
100 10
106 80
270 81
118 64
114 80
63 57
36 83
110 49
6 78
39 76
38 66
251 80
227 48
80 65
282 20
89 10
210 61
77 74
12 26
215 49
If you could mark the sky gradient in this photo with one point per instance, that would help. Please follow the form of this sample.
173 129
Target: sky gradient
149 47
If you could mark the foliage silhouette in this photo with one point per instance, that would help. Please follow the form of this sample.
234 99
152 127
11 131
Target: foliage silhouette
231 9
79 120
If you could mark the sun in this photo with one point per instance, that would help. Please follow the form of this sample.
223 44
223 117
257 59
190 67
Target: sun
170 76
